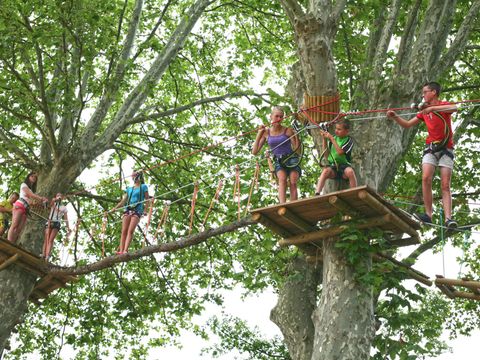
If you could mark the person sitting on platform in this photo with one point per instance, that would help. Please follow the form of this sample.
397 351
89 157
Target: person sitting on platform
22 205
134 198
58 213
6 208
284 143
437 116
338 151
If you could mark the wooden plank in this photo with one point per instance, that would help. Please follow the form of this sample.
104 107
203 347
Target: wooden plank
331 231
413 273
446 291
28 261
265 221
404 242
9 261
466 295
311 259
342 206
382 209
473 285
295 220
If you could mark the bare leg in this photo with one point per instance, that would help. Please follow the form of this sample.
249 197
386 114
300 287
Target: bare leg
18 222
282 186
428 170
350 175
445 177
327 173
51 238
45 241
134 220
293 185
125 225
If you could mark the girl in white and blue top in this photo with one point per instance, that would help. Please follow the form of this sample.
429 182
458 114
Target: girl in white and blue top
134 200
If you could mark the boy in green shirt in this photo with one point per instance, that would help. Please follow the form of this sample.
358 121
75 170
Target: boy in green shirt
339 154
6 207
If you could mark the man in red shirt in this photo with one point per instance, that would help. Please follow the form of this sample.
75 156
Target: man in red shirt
438 151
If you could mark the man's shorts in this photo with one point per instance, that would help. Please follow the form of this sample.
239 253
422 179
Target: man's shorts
438 159
289 165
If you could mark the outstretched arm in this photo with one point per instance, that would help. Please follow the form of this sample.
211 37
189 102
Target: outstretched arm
401 121
121 203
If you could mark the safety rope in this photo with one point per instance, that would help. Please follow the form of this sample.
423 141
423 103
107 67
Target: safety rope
253 185
192 211
149 218
162 222
214 200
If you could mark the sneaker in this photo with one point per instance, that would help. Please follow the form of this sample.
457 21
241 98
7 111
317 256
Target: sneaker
450 224
424 218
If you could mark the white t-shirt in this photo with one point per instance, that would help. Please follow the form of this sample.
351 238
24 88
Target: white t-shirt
23 193
57 213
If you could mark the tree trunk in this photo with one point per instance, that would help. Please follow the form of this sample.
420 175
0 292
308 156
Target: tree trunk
16 284
344 319
296 302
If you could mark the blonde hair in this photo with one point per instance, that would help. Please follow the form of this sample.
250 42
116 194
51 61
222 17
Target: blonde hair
278 108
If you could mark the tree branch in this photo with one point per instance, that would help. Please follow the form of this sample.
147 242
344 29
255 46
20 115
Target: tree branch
293 10
405 48
113 85
384 40
460 41
170 112
13 148
185 242
137 96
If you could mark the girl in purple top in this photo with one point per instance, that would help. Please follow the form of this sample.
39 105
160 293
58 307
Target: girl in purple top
282 142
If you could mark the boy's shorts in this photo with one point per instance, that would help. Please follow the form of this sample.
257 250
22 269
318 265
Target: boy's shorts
438 159
339 170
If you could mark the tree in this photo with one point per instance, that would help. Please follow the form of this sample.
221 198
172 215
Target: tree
133 78
422 55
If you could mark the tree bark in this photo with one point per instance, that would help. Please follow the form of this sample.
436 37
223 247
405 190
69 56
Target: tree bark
344 319
296 301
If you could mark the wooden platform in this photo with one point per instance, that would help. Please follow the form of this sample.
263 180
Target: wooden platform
297 222
11 254
448 287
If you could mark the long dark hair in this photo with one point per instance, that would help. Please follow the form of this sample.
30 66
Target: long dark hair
27 181
139 176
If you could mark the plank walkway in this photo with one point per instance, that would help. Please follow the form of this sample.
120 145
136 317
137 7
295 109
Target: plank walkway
304 221
12 254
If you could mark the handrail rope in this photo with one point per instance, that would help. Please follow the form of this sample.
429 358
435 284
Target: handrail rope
304 128
351 113
193 182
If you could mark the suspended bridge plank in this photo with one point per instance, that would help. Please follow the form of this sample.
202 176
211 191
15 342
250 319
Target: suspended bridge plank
448 287
303 222
12 254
